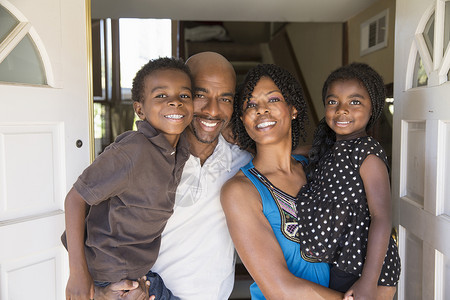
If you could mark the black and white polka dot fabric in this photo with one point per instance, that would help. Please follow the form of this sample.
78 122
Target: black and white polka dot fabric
334 215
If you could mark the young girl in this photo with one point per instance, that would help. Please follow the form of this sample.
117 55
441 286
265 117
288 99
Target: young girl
345 209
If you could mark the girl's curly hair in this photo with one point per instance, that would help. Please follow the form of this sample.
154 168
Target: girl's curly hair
324 137
162 63
291 91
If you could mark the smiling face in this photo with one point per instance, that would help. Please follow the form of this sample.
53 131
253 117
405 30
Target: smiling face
347 109
167 102
266 115
213 100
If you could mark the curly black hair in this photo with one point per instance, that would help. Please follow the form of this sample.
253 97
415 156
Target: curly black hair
291 91
324 137
162 63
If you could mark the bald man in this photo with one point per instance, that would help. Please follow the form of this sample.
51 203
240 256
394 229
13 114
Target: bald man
196 258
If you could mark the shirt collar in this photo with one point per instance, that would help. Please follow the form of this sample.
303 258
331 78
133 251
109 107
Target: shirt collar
222 154
160 140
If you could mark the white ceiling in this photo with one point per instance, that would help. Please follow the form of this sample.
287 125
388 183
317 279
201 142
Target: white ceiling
232 10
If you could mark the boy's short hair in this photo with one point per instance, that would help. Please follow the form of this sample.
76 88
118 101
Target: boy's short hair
162 63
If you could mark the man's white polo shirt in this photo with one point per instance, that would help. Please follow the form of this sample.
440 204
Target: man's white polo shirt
196 258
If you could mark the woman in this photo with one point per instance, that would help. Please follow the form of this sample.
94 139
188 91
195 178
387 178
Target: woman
258 201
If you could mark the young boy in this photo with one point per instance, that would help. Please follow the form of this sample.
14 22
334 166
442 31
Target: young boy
129 190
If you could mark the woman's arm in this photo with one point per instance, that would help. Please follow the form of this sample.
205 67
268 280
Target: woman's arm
375 177
258 247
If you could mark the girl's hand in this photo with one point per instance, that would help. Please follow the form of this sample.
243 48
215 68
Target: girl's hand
362 290
80 286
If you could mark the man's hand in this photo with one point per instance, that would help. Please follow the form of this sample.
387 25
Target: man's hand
125 289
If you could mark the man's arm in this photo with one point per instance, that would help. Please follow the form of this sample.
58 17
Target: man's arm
125 289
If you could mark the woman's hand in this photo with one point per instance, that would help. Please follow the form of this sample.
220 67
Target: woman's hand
362 290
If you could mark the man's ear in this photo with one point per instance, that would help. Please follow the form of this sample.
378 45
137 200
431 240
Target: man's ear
138 110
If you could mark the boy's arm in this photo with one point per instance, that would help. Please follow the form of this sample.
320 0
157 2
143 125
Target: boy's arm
375 176
80 284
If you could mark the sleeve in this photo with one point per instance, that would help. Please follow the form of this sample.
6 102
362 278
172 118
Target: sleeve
107 176
367 147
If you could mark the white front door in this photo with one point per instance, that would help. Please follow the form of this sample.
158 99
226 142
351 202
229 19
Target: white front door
421 151
44 139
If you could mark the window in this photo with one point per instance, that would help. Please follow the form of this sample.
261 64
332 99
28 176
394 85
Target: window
120 48
374 33
430 52
19 52
420 75
428 35
140 41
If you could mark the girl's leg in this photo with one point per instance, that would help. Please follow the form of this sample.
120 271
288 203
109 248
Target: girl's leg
386 292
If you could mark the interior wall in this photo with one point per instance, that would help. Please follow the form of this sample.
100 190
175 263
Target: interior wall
318 48
381 60
248 32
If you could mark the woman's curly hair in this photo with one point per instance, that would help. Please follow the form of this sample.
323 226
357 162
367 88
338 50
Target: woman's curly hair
291 91
162 63
324 136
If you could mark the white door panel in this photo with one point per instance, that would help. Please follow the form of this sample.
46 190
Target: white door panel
421 166
39 157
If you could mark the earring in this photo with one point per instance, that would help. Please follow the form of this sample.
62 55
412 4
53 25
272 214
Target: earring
293 117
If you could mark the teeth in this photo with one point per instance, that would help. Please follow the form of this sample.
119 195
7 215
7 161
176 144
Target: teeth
177 117
265 124
343 123
209 124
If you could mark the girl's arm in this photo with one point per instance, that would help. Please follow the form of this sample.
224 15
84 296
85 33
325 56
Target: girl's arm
375 177
80 284
258 247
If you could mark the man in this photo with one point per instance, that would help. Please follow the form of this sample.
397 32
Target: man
196 258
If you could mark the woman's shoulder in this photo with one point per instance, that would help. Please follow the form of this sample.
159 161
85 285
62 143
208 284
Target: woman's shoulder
237 188
238 181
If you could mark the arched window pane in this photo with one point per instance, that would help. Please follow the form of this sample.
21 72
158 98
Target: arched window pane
23 64
447 25
7 23
428 35
420 75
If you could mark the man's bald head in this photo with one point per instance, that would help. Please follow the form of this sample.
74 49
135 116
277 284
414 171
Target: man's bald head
210 60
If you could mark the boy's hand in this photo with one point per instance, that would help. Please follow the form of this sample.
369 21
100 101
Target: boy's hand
80 287
125 289
362 290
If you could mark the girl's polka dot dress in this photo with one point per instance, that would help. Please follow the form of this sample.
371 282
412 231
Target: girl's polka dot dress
334 215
